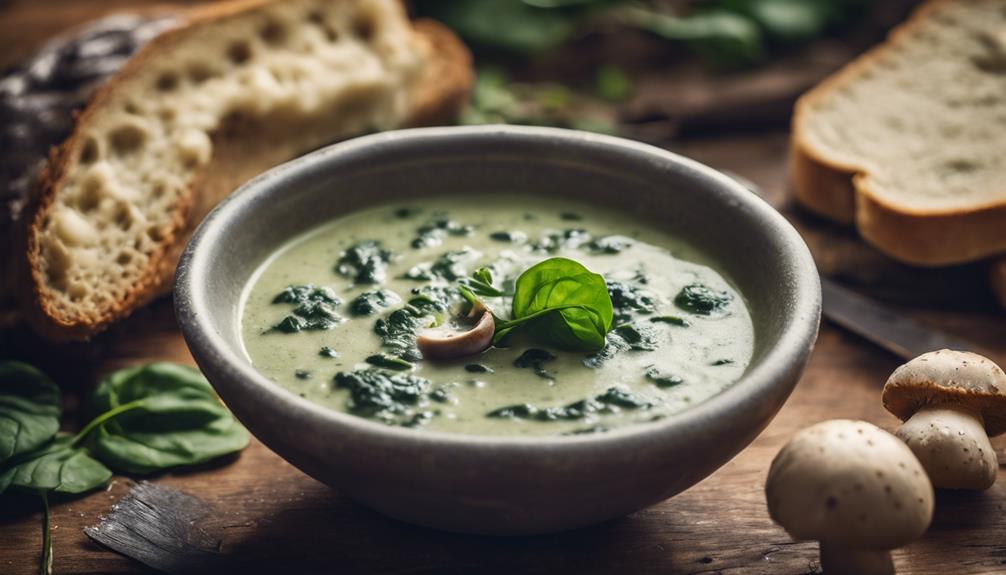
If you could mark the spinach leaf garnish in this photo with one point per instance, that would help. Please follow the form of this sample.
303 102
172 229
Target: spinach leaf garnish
371 302
314 309
158 416
535 359
432 234
29 409
395 399
567 304
611 401
701 300
364 262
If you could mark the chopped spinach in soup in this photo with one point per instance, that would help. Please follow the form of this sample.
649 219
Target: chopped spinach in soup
335 314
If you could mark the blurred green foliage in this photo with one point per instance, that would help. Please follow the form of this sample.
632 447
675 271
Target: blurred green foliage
725 33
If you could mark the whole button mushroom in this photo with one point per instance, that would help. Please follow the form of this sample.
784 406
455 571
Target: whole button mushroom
855 488
951 403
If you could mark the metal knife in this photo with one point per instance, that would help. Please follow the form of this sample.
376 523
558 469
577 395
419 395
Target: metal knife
888 328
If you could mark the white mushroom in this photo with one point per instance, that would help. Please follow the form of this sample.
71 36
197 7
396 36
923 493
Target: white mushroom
439 345
951 403
855 488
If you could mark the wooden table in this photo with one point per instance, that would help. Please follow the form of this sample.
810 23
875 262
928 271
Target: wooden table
276 518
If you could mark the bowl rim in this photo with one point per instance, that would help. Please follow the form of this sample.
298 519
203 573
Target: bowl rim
788 354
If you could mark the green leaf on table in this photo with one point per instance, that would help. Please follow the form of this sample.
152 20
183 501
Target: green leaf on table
158 416
59 466
29 409
567 305
724 38
510 25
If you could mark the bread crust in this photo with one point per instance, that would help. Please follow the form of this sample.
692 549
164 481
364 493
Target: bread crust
443 90
841 192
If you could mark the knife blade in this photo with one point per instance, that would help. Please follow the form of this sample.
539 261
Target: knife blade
884 326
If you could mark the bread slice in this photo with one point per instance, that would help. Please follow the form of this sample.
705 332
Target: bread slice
908 142
239 88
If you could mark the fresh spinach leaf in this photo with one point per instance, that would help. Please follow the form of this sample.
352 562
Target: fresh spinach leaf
371 302
158 416
59 466
568 304
722 37
365 262
701 300
29 409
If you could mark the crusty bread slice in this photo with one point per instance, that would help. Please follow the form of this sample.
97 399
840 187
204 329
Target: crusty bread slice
909 141
239 88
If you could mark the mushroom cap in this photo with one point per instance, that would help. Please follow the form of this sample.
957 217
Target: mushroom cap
851 483
947 377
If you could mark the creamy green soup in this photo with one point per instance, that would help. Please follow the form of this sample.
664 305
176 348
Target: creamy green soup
333 317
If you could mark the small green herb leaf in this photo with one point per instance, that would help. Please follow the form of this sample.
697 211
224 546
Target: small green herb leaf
158 416
29 409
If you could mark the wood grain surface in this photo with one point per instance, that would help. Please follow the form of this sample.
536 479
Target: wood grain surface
273 518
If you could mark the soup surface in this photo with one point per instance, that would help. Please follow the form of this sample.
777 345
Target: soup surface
333 316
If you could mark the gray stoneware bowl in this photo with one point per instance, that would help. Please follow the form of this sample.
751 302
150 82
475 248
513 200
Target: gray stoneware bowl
503 485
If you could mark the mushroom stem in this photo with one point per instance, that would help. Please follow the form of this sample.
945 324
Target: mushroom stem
952 445
837 559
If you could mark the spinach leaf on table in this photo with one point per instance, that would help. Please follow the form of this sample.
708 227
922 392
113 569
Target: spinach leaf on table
60 466
158 416
29 409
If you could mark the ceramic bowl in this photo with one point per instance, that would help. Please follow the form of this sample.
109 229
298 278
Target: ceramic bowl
503 485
